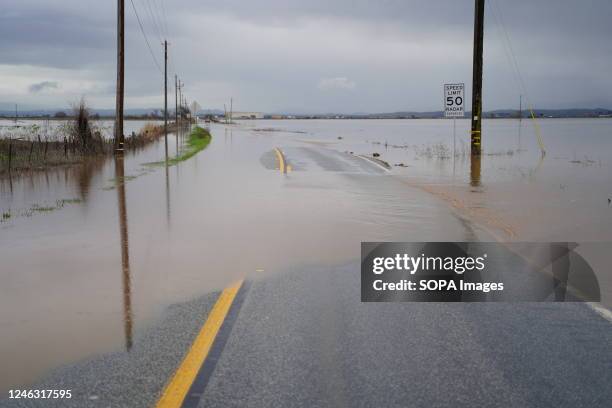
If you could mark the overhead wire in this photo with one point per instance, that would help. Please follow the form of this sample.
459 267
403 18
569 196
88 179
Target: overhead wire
158 16
163 8
153 19
507 43
144 34
159 22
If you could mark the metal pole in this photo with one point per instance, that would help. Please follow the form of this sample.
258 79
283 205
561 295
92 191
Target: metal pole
454 144
119 138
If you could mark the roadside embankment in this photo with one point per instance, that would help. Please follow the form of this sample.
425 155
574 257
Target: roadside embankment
198 140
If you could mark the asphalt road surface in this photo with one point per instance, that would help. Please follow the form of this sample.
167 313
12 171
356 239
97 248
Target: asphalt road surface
302 338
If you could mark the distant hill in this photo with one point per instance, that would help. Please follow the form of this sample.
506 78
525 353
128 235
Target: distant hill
499 113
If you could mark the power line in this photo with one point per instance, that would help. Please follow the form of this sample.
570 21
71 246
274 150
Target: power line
158 17
515 65
163 8
153 19
144 34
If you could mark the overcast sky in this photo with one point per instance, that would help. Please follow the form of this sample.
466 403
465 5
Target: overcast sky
307 56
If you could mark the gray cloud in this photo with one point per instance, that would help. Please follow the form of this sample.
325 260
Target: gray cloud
336 83
41 86
268 54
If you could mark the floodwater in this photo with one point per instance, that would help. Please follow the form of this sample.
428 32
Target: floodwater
89 261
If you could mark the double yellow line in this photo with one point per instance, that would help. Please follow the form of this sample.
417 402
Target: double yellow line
176 390
281 160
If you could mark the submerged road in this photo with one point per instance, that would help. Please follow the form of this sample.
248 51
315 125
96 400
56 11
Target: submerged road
302 338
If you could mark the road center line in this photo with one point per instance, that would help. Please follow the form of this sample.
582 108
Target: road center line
177 389
281 160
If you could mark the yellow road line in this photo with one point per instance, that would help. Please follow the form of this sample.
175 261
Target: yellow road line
176 390
281 160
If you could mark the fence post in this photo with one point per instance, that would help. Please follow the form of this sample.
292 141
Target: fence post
31 150
10 155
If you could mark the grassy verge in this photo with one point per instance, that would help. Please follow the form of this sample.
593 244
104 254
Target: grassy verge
198 141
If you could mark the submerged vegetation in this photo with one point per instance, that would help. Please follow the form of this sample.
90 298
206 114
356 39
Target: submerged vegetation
76 141
37 208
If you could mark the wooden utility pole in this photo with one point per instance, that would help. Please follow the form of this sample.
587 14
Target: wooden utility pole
180 103
476 137
520 125
119 138
476 147
166 96
176 102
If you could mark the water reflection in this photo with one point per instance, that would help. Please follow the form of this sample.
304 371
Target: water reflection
84 174
167 195
125 254
78 178
475 167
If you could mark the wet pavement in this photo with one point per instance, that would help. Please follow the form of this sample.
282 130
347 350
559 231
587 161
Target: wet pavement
229 212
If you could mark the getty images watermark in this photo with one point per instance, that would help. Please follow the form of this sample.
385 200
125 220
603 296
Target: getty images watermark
475 272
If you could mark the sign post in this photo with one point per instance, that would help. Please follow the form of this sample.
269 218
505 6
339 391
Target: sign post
454 107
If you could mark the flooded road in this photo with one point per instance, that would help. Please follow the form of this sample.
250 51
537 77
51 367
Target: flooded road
89 262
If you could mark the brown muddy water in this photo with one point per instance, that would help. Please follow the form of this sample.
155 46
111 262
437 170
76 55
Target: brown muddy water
88 262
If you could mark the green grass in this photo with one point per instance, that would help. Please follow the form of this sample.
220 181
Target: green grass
198 141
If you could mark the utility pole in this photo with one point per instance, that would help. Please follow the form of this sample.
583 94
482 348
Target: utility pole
476 136
180 89
119 138
176 126
231 110
520 121
166 96
477 78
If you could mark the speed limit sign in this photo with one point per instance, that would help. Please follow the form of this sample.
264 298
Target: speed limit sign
454 106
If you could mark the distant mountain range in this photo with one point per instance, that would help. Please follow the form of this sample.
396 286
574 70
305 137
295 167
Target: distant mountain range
500 113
